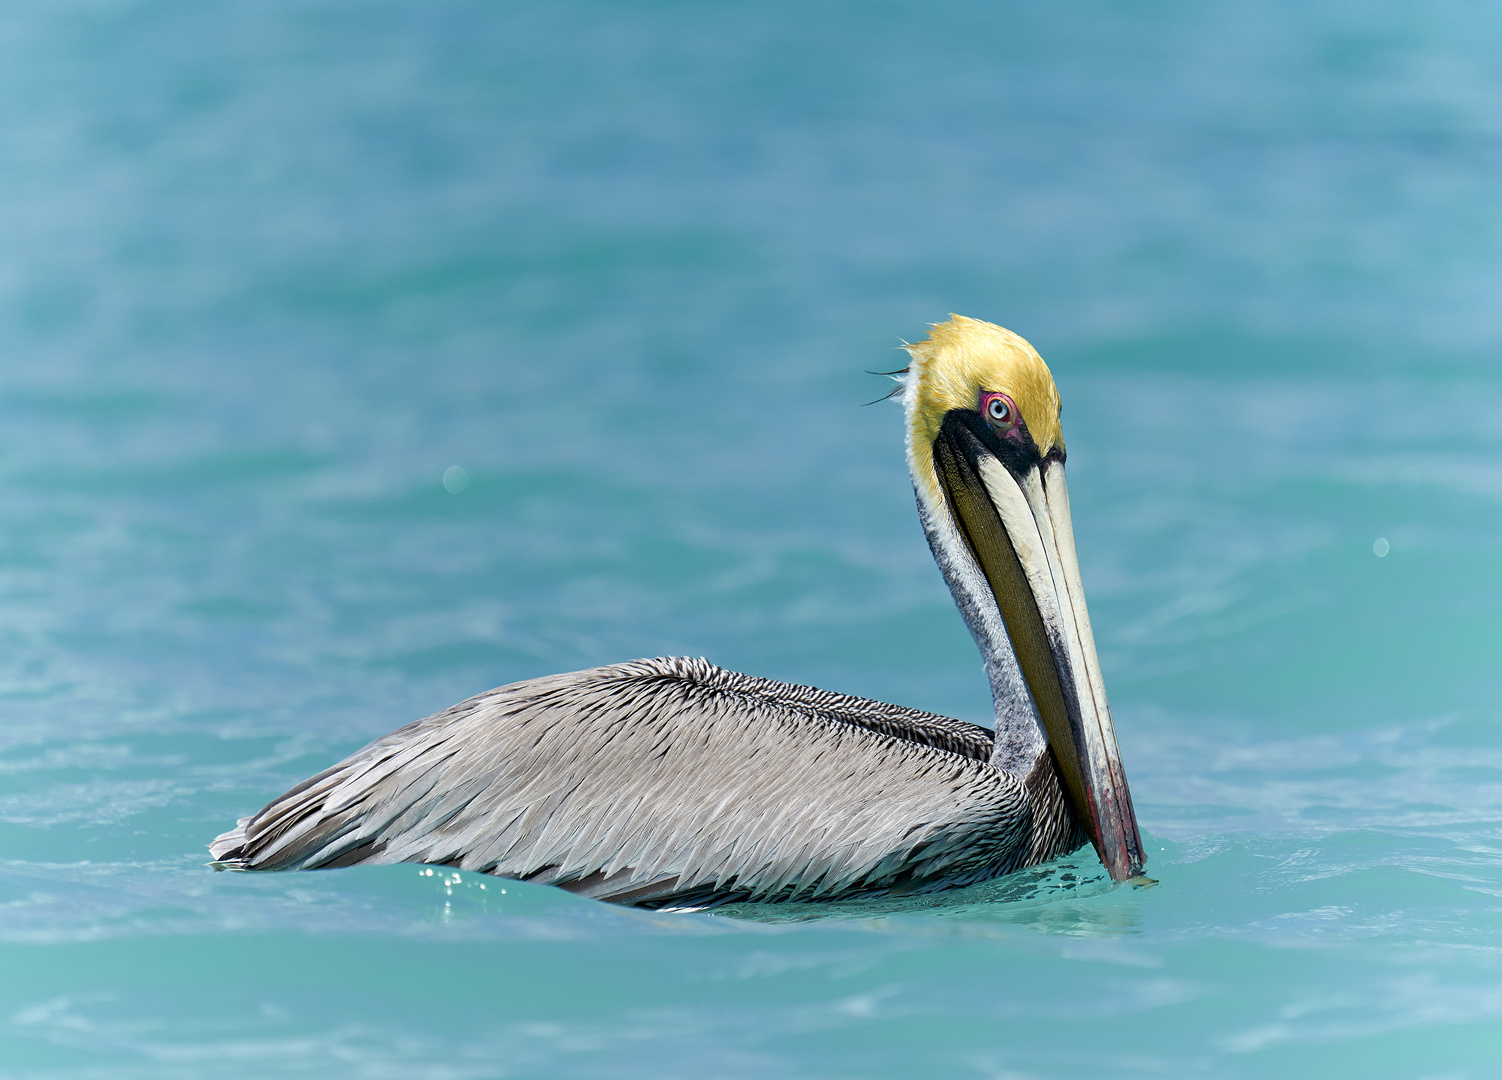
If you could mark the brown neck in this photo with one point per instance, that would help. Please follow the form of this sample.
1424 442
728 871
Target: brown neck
1057 829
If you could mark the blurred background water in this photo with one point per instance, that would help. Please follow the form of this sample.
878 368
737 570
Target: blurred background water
267 271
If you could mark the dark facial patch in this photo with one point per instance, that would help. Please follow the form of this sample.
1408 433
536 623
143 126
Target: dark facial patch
1015 448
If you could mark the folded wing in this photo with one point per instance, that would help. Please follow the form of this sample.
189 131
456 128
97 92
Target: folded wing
657 782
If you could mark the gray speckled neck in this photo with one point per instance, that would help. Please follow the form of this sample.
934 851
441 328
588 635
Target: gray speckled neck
1019 730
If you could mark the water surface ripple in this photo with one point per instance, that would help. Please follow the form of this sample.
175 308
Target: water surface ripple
268 272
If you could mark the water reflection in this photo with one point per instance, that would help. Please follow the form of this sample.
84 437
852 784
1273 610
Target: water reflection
1073 895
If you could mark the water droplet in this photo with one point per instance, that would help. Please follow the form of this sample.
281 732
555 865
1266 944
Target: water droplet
455 479
1380 548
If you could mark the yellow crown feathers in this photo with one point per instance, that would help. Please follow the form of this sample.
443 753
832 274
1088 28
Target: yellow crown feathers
960 359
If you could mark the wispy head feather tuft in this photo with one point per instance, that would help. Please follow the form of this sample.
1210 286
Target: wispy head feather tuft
899 377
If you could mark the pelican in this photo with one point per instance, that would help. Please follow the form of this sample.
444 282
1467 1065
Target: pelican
674 783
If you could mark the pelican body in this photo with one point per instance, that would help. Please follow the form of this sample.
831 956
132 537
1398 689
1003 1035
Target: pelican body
675 783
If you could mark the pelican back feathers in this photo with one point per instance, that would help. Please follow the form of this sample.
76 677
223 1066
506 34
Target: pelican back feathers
672 782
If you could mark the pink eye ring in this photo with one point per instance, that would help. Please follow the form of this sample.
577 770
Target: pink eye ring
1000 411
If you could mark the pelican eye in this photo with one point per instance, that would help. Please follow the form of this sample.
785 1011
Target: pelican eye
1000 411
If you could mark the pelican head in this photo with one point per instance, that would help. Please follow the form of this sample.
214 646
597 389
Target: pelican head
986 451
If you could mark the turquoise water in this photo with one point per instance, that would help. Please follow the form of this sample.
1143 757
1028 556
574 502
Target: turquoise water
268 270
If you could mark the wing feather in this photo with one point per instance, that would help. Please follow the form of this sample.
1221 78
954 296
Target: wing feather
660 781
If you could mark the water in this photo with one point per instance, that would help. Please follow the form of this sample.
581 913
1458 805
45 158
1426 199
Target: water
268 272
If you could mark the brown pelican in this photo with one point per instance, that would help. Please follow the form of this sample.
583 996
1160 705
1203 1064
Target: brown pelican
672 782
